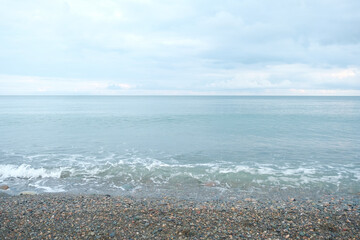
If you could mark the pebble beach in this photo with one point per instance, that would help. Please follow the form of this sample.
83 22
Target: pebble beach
66 216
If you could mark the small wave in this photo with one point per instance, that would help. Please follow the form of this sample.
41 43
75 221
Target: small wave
26 171
113 171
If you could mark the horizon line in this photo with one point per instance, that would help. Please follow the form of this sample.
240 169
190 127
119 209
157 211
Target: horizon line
168 95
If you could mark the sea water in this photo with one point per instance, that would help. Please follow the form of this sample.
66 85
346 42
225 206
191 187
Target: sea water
179 144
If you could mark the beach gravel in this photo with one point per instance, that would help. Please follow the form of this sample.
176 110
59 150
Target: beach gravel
61 216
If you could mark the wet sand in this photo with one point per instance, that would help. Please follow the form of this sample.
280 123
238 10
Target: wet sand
62 216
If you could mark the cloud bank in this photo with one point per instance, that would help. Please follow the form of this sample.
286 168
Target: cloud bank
286 47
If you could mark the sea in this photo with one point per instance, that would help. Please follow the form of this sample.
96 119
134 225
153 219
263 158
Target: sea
189 146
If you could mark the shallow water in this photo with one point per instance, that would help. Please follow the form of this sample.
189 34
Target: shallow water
157 145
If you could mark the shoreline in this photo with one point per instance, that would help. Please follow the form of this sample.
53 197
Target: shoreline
58 216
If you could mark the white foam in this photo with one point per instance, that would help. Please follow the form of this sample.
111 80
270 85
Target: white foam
332 179
356 172
237 169
357 176
297 171
266 170
26 171
167 170
48 189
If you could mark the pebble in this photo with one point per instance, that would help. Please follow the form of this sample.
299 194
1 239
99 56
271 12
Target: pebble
250 200
61 216
210 184
28 193
4 187
2 194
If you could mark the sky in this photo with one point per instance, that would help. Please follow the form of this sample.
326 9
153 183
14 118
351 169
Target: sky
182 47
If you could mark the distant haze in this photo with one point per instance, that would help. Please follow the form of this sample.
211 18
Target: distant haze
185 47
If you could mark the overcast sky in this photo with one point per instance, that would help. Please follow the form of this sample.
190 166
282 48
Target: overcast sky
245 47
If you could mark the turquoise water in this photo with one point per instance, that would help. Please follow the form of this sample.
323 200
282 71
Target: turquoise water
122 145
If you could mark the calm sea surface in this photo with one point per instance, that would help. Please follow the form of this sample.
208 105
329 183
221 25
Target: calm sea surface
157 145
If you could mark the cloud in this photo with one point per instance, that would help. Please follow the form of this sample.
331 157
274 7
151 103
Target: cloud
186 46
119 86
19 85
286 76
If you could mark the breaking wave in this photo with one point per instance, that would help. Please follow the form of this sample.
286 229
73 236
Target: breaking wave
27 171
113 172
